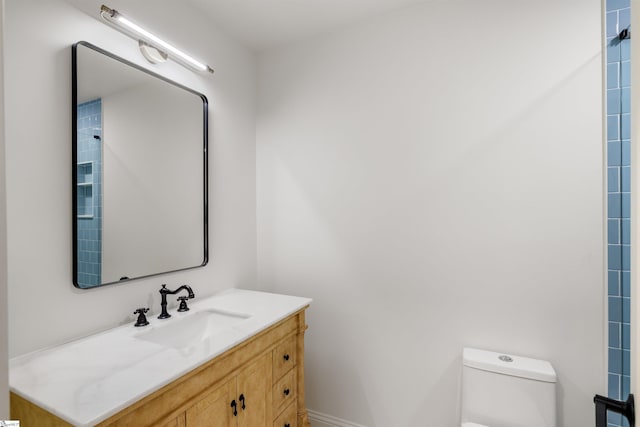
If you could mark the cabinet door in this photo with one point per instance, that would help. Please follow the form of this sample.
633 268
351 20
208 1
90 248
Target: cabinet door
177 422
254 391
213 409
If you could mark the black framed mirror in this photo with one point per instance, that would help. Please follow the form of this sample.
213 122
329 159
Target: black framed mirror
140 171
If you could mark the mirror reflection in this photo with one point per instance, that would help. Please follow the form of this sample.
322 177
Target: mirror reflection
140 171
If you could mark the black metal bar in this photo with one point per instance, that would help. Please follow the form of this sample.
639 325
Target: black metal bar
604 404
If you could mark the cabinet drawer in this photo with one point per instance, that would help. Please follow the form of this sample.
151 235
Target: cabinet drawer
284 391
284 357
288 418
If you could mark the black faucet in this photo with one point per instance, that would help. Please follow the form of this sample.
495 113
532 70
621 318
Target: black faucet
164 292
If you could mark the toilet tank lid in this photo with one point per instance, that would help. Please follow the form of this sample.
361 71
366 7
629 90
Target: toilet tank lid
508 364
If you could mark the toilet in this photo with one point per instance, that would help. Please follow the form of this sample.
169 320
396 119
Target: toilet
501 390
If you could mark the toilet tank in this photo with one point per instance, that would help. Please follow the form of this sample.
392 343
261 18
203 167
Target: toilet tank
500 390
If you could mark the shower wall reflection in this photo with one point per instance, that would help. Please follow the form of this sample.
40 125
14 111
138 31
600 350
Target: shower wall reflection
89 193
619 201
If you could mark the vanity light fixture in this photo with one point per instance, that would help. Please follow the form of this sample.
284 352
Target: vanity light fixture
153 48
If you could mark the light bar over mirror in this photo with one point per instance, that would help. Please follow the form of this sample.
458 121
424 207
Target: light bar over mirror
148 40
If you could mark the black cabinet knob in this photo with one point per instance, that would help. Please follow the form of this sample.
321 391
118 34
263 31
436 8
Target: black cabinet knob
286 357
286 392
234 406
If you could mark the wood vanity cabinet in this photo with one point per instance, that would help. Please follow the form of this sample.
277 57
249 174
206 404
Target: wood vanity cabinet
257 383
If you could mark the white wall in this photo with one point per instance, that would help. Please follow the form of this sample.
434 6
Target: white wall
4 327
45 308
433 178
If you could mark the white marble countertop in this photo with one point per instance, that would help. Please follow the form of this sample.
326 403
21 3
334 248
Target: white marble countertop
86 381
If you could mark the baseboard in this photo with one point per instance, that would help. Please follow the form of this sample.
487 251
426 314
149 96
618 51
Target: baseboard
319 419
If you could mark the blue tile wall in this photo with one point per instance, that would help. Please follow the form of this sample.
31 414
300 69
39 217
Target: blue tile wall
90 195
618 104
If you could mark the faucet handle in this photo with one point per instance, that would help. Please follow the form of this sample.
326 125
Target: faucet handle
183 304
142 319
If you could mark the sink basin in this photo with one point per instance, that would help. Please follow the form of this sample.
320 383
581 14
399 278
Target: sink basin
181 333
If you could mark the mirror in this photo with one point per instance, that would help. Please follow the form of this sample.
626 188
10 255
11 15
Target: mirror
139 171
